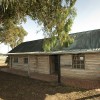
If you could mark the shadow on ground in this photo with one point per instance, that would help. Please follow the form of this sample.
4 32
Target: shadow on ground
14 87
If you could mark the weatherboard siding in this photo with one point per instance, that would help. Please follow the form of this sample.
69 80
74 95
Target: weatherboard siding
93 64
66 61
92 61
91 71
20 65
33 63
43 64
38 64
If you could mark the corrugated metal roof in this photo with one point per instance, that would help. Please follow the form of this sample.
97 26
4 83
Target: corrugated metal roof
88 41
30 46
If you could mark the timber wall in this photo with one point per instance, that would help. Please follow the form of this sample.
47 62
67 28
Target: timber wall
91 71
38 64
41 64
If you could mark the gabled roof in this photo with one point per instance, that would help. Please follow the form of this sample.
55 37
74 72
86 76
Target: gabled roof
30 46
86 40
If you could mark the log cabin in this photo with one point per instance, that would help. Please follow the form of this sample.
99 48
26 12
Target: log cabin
80 60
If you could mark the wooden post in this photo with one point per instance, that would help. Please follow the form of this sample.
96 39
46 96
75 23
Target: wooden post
59 70
28 66
10 62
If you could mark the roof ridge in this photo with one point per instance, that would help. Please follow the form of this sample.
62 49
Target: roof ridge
33 40
85 31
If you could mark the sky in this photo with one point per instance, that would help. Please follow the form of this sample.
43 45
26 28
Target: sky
88 18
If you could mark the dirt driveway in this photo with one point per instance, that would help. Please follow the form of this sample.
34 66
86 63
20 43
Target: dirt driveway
14 87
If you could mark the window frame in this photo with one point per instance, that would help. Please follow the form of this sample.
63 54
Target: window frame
15 60
78 61
26 60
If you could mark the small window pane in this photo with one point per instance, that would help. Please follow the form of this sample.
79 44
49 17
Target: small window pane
25 60
74 66
78 61
15 59
81 58
82 66
78 66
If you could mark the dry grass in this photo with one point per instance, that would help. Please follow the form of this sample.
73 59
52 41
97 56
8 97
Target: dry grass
14 87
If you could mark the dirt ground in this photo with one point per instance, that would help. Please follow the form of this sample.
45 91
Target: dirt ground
14 87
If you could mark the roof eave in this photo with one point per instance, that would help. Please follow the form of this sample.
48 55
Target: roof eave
56 52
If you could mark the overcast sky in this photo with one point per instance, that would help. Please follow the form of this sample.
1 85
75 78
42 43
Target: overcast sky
88 18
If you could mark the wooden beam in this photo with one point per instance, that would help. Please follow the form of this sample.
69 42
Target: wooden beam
59 70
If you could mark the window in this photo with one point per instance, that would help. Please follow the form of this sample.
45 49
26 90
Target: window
25 60
78 61
15 59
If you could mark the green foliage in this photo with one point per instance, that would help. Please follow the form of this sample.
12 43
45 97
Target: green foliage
12 34
56 16
68 42
59 26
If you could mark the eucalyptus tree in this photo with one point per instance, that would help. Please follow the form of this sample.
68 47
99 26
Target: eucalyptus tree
11 33
56 16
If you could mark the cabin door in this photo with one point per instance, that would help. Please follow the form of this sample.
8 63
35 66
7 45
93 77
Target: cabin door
54 64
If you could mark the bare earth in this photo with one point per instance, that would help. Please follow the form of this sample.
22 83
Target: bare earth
14 87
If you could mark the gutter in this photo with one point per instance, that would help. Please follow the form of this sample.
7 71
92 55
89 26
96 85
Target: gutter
77 51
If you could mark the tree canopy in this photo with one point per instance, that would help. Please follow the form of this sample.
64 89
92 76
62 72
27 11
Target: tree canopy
11 33
56 16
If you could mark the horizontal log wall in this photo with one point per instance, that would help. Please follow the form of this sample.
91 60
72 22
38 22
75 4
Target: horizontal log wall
92 61
91 71
43 64
92 64
20 65
33 63
66 61
38 64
